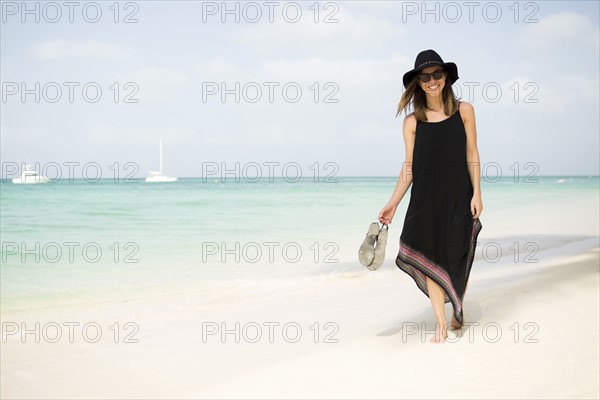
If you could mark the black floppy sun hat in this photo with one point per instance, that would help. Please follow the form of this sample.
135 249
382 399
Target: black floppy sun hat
429 58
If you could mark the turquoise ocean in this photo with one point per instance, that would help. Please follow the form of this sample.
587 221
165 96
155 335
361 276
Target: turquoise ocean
77 239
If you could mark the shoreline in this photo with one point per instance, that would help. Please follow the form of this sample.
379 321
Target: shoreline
498 250
379 319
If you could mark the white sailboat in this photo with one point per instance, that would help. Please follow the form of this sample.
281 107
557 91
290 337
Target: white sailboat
159 176
30 175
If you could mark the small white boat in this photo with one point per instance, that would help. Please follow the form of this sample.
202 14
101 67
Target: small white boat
159 176
30 175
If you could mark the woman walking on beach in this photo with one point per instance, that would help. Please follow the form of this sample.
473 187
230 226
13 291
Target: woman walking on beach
442 223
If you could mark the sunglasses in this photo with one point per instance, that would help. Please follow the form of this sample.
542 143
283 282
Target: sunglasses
425 77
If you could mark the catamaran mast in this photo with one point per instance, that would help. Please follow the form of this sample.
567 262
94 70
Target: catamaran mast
160 151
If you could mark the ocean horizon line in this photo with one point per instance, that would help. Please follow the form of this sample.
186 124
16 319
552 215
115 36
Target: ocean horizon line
283 178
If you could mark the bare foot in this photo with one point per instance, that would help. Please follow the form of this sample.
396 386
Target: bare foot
441 333
454 324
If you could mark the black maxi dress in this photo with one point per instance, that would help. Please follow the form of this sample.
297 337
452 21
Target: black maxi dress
439 235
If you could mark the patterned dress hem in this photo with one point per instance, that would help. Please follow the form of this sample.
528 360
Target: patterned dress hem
418 266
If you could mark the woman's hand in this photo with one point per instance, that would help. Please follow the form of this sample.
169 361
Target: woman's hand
476 206
387 214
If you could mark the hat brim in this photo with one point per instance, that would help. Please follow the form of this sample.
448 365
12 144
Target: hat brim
450 67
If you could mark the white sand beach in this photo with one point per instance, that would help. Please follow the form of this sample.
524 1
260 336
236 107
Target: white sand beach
185 187
531 332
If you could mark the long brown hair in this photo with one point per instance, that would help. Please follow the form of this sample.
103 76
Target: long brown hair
415 95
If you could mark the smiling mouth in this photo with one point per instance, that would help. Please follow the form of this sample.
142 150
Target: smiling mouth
433 87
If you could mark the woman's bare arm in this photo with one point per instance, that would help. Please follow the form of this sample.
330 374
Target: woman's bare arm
473 162
405 178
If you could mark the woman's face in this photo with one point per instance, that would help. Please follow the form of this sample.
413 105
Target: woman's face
433 86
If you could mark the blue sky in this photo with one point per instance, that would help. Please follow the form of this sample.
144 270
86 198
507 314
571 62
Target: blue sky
546 52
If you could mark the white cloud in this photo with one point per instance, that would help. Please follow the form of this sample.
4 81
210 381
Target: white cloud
351 35
377 5
559 29
354 72
216 68
108 134
156 84
544 96
568 90
349 72
55 49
